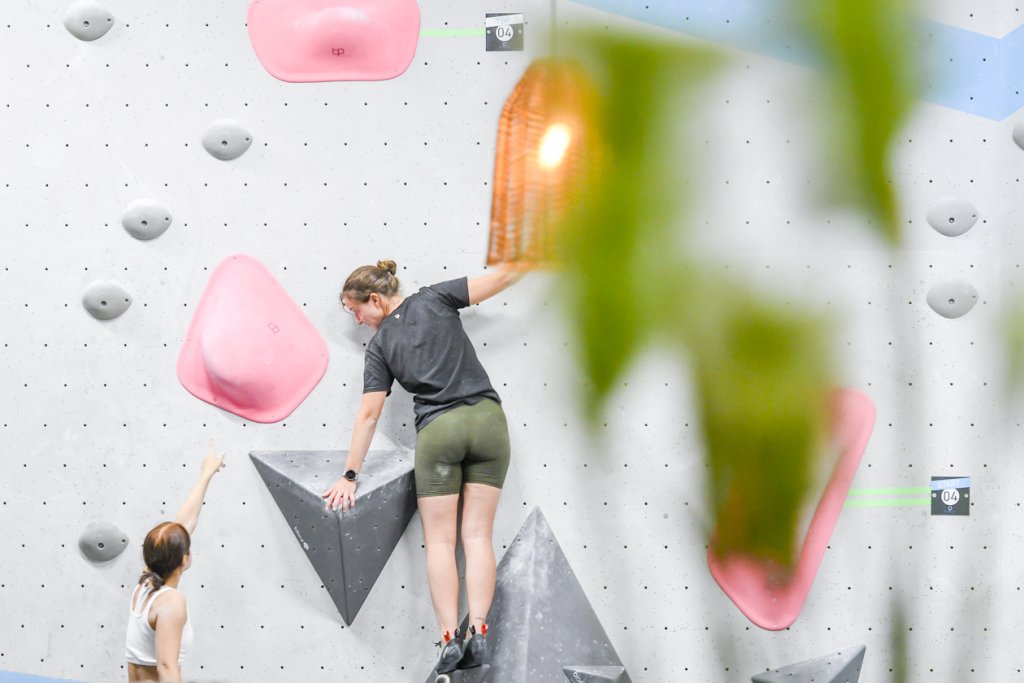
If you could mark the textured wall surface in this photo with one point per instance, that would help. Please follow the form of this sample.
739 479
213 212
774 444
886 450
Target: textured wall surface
96 427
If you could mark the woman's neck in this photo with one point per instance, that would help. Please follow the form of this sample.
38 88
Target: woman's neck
391 304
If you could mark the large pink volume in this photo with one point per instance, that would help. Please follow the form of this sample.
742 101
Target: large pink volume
302 41
249 348
772 596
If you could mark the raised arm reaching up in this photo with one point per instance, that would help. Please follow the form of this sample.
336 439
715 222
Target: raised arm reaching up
188 515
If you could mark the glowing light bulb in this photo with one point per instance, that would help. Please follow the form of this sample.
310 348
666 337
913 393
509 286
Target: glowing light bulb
553 145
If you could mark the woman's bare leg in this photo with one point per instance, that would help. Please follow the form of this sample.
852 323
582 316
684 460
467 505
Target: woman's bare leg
438 514
479 503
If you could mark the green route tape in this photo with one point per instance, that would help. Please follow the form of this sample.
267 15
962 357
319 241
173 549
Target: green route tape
452 32
886 502
924 490
888 497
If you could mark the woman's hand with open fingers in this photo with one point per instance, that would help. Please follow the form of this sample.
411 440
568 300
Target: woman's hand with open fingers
214 461
341 494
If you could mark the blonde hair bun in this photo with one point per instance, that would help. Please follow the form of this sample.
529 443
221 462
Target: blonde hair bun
388 265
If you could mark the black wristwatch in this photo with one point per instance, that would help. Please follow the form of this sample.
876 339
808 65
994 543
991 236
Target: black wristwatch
350 475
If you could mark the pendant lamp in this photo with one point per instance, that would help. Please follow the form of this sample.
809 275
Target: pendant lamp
544 151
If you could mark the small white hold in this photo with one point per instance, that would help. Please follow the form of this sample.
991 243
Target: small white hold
952 216
1018 132
106 300
102 542
88 20
952 298
146 219
225 139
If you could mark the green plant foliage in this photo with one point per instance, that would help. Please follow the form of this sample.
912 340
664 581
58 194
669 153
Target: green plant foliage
762 369
1013 338
614 238
869 50
761 373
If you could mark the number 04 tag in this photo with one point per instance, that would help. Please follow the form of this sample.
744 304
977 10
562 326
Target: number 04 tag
504 31
951 495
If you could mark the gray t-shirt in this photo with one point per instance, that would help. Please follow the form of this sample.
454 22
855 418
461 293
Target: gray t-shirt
422 344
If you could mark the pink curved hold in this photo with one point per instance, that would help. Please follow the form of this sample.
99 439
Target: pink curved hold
769 595
302 41
249 348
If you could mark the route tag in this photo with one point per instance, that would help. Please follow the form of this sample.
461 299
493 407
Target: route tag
504 32
951 496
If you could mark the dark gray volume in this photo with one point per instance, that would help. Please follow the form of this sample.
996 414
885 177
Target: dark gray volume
838 667
541 622
595 674
347 549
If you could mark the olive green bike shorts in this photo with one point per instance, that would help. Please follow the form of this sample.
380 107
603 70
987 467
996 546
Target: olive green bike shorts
465 445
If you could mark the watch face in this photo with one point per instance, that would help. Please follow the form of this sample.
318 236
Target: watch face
350 475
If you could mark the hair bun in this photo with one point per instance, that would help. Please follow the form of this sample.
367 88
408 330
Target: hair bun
388 265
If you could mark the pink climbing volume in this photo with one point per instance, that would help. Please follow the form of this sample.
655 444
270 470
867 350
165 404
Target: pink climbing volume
249 348
302 41
768 595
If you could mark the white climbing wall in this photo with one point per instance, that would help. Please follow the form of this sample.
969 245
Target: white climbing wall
96 428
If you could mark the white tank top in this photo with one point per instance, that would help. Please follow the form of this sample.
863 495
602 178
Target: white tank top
140 645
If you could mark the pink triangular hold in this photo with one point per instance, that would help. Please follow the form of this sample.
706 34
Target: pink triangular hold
302 41
770 596
249 348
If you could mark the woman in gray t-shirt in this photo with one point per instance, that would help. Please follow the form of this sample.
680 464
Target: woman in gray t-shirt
462 445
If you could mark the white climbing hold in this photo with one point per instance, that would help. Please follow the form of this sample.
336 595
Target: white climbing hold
952 298
226 139
88 20
952 216
145 219
105 300
102 542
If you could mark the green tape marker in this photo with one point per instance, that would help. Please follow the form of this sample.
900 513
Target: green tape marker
886 502
452 32
921 490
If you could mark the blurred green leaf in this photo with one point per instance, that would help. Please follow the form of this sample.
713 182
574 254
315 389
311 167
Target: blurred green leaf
762 373
762 369
1013 338
615 235
869 48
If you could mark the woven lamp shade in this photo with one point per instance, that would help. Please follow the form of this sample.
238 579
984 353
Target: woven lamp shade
543 153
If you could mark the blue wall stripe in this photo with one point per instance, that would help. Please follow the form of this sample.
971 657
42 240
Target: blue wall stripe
14 677
966 71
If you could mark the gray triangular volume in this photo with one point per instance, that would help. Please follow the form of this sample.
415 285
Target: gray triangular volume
838 667
475 675
595 674
347 549
541 619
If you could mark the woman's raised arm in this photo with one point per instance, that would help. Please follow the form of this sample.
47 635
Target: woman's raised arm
188 515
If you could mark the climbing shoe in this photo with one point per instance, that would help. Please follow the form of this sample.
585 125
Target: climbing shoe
475 649
451 652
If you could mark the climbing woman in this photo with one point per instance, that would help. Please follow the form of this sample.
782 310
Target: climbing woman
159 634
462 444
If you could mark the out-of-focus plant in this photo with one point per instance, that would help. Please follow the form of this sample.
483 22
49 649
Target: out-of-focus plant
868 53
1013 334
762 370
